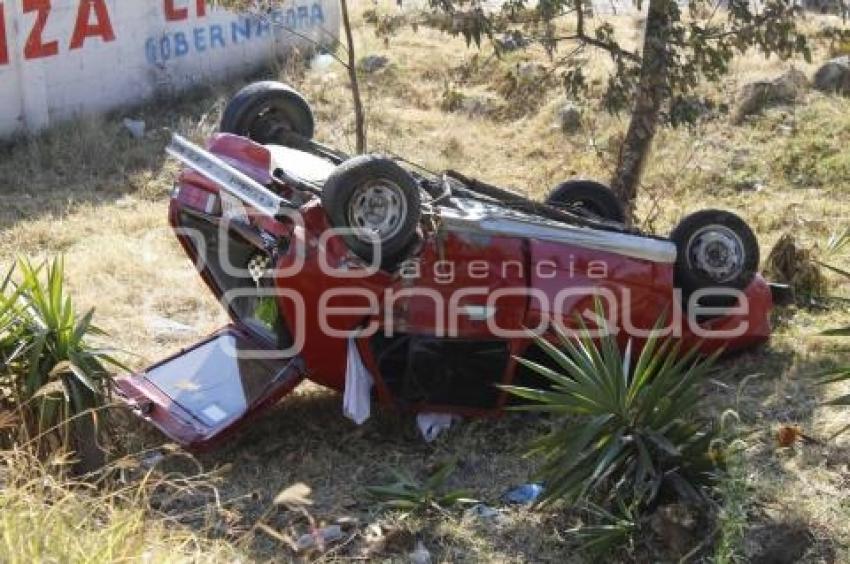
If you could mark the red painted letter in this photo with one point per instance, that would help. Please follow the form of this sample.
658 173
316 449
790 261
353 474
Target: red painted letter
83 29
201 6
34 47
4 49
174 14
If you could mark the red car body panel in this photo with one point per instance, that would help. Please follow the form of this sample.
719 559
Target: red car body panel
500 281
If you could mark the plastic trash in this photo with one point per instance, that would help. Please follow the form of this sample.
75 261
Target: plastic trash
432 424
322 62
356 401
319 537
525 494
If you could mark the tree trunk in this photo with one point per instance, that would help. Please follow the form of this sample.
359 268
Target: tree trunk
651 92
359 119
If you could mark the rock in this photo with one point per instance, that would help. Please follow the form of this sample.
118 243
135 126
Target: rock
479 105
136 127
569 118
834 76
756 96
373 63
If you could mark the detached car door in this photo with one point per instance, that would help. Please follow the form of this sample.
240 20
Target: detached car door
206 391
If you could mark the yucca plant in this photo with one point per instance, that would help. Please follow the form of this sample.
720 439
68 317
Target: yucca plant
629 430
410 495
53 376
836 246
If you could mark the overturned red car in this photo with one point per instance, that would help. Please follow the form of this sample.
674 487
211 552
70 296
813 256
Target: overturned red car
385 281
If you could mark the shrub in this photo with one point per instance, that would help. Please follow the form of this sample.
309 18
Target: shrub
632 431
51 375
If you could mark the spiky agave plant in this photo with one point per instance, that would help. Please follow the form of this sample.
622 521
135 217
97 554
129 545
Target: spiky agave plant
632 431
56 377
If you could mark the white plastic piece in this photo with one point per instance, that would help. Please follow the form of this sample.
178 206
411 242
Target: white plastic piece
356 402
432 424
319 538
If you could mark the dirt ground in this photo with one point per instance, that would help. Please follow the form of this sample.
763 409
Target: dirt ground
93 193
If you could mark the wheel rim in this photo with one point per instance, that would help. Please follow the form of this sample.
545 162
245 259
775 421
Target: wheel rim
717 252
377 210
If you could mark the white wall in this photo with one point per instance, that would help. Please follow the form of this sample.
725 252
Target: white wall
127 50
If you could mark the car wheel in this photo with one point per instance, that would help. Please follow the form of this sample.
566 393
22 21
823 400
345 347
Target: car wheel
587 198
715 249
268 113
379 201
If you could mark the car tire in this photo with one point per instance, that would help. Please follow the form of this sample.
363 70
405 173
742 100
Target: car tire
715 249
269 113
589 198
393 189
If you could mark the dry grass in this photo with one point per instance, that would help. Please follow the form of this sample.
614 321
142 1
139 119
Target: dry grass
90 191
47 518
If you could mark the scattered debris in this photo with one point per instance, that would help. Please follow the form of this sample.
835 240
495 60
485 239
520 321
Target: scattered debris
569 117
388 540
756 96
136 127
789 435
373 63
749 185
789 264
431 425
420 555
525 494
295 496
319 538
834 76
482 511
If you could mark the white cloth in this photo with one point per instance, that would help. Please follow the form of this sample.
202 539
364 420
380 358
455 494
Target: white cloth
432 424
356 402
